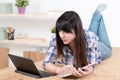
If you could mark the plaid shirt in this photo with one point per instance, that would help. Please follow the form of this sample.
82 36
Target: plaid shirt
93 53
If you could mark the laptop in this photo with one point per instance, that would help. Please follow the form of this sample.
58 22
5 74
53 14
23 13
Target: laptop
27 67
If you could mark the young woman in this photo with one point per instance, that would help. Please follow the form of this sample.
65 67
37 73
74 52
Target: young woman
74 48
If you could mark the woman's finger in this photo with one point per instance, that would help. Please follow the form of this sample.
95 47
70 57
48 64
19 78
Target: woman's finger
81 71
76 73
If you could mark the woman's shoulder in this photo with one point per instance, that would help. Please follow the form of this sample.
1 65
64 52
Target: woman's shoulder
90 35
53 37
91 39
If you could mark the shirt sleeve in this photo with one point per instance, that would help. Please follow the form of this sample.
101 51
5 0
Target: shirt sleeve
94 55
51 53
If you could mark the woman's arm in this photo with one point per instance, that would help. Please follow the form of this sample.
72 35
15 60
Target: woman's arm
52 68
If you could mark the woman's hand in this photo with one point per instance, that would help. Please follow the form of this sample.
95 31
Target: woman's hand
86 70
82 72
65 69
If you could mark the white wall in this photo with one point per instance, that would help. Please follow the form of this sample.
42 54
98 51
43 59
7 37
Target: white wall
84 7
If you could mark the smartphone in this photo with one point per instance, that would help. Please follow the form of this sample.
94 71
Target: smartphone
89 65
93 64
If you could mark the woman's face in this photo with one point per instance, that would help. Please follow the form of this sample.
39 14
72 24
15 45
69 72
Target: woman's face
67 38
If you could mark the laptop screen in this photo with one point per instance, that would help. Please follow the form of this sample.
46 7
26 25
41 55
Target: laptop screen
24 64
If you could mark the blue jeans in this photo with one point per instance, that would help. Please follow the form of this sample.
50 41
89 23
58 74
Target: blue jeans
98 27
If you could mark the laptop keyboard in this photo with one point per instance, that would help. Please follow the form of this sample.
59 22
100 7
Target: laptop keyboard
45 74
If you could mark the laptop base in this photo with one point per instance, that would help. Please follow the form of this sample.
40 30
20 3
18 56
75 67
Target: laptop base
27 74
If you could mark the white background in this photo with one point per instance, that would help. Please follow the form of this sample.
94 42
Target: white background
85 8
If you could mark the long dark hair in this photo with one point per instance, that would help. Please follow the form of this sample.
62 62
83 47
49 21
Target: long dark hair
67 22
